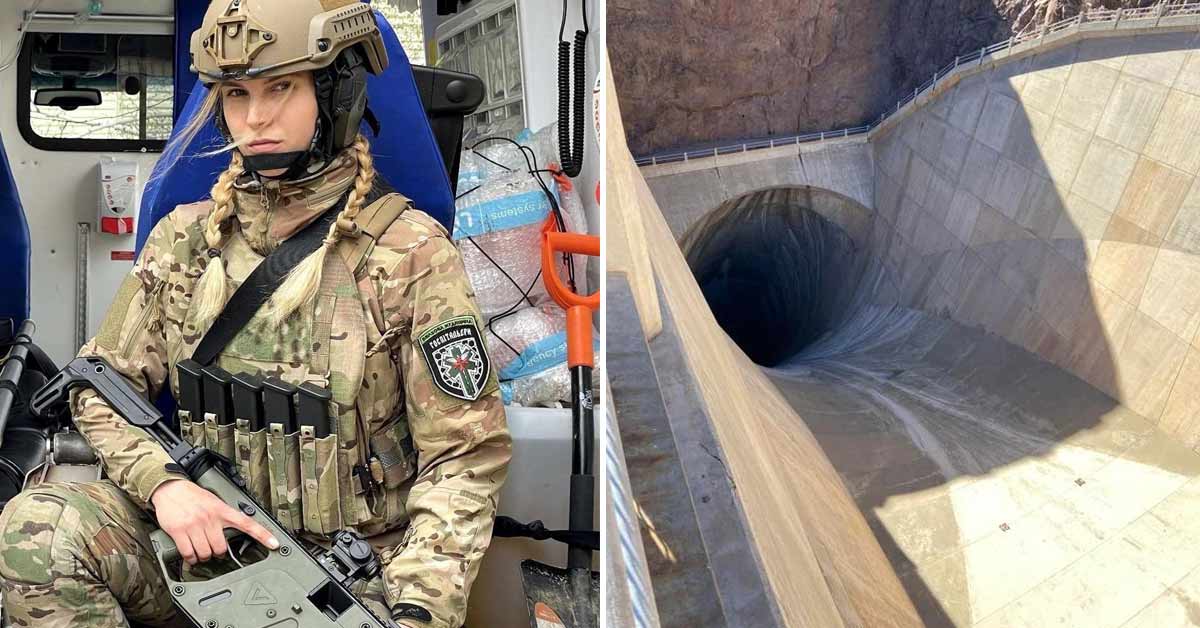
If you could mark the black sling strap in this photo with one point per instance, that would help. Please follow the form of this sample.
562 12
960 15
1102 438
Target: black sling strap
509 528
265 279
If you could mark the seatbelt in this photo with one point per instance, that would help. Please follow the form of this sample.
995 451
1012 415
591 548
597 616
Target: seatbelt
266 278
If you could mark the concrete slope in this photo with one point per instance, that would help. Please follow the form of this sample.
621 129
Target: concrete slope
998 349
1063 186
997 483
809 543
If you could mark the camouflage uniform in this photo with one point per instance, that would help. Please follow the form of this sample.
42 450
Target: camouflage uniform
72 553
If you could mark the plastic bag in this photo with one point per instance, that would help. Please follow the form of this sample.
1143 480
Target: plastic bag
539 375
498 227
499 232
511 335
547 388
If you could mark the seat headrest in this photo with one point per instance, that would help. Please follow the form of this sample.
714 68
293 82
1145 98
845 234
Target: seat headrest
406 153
14 247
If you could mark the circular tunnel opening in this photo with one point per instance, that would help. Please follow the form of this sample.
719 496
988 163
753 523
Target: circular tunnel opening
777 267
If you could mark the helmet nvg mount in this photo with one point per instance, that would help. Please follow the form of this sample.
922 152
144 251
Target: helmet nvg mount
337 40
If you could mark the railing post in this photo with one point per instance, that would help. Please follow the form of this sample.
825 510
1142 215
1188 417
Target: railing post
653 160
956 58
1120 12
984 49
822 136
846 132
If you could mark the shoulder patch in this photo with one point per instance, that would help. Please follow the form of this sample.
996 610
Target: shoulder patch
456 357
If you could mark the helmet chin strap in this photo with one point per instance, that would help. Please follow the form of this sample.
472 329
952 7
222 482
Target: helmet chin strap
294 163
341 105
273 161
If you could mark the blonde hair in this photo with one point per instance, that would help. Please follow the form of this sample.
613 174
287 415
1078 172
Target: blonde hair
302 283
209 292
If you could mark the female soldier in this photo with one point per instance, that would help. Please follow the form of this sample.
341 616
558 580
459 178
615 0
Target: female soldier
419 448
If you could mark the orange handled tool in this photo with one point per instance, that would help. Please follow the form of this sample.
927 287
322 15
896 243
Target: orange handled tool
579 308
580 360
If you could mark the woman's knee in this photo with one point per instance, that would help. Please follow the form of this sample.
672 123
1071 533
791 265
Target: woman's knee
44 533
29 529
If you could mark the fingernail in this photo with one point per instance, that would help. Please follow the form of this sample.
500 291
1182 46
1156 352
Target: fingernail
273 543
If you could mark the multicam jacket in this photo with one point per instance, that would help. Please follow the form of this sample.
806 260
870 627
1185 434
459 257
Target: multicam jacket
366 337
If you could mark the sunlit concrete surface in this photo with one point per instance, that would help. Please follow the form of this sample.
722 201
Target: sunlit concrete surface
729 539
997 346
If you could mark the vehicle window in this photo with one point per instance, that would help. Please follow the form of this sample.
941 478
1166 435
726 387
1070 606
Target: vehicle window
96 92
405 18
491 50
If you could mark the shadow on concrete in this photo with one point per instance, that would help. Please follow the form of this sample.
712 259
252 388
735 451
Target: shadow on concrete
926 353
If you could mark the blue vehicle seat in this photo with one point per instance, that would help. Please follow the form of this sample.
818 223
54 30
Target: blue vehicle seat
406 153
14 252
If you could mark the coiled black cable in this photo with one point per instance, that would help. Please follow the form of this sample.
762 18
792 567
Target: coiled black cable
571 127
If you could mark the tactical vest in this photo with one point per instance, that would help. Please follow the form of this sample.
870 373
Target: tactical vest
344 480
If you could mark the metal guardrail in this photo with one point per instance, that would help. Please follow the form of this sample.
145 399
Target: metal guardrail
1091 18
749 145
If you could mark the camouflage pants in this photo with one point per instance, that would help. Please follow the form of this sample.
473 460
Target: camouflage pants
80 555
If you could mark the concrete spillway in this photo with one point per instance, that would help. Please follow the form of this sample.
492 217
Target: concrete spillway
997 347
993 479
776 275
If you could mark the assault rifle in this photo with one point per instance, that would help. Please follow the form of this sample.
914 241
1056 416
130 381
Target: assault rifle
289 586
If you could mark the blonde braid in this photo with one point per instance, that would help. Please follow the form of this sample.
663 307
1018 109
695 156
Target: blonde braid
302 282
210 290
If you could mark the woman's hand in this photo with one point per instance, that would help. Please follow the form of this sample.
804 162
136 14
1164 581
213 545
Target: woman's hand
196 520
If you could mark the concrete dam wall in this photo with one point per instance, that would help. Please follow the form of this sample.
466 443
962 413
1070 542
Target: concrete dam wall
1053 201
987 314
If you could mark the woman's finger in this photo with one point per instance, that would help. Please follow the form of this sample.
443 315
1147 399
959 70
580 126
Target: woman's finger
199 539
184 545
216 539
253 528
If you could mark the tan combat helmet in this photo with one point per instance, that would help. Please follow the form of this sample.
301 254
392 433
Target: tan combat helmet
337 40
247 39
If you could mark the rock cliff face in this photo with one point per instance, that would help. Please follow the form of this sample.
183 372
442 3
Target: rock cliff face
698 72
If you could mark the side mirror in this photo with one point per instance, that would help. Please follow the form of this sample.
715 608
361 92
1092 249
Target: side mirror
67 99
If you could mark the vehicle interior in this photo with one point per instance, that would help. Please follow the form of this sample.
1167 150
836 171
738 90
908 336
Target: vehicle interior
114 88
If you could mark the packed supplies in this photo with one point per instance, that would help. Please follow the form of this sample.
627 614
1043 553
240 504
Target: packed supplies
502 207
